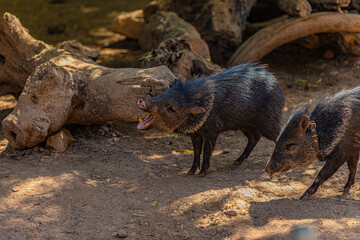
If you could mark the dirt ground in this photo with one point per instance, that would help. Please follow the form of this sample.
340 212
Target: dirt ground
117 178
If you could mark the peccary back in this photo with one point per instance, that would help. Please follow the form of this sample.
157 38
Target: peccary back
244 97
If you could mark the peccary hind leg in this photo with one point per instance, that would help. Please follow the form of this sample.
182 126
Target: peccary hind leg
352 163
253 139
326 172
209 145
197 142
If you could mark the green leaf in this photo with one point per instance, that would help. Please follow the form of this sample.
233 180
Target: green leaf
301 80
155 202
150 56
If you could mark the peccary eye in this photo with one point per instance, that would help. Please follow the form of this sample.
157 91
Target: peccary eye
290 146
171 109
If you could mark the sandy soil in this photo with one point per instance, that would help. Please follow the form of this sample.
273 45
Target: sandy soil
117 178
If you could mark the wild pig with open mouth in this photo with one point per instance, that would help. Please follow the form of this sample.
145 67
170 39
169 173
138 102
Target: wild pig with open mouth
245 97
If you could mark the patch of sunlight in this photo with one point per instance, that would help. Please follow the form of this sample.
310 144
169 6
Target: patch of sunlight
89 9
280 228
39 186
155 156
286 187
176 153
311 171
274 229
277 186
247 192
336 225
3 144
7 101
216 202
186 203
92 182
67 60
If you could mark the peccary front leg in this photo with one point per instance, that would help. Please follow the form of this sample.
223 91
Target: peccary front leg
352 163
330 167
209 145
253 139
197 142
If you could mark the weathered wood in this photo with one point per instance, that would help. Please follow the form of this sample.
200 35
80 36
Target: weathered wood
221 23
269 38
20 54
67 88
295 8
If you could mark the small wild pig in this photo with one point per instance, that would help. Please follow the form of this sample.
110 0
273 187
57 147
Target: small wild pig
330 133
245 98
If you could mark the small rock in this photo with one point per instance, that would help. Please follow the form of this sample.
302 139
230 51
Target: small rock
231 213
120 234
60 140
15 189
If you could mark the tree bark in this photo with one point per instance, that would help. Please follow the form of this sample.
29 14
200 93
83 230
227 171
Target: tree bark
269 38
186 58
20 54
301 8
66 88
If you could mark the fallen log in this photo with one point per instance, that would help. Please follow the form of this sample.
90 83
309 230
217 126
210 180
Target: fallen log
20 54
68 89
271 37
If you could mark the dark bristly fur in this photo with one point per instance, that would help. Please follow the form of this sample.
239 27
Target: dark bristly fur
245 98
337 121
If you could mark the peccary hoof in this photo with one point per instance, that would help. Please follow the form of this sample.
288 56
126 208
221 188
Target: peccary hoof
202 173
237 162
345 191
191 171
305 196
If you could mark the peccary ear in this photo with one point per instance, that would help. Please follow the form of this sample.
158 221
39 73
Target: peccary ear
197 110
304 122
177 82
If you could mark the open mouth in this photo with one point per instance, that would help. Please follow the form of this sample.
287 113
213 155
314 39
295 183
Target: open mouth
144 124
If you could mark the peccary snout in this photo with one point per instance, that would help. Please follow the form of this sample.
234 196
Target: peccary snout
141 103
